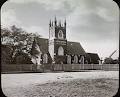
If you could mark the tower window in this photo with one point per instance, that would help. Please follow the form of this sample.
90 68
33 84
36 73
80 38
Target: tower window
60 34
60 51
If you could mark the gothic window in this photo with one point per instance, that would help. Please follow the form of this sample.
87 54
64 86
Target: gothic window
68 59
60 34
75 59
81 60
60 51
45 58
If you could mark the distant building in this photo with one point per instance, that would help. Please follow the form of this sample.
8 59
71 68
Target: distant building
58 50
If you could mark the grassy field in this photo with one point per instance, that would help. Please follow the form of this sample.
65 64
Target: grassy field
79 84
77 88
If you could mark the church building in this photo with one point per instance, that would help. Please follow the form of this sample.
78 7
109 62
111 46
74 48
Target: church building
57 49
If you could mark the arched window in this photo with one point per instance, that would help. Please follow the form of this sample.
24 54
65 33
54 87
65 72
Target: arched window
68 59
75 59
81 60
60 51
60 34
45 58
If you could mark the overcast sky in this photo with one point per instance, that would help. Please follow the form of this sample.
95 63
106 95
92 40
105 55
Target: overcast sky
93 23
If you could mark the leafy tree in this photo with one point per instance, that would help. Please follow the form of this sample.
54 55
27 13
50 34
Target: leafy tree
5 33
6 52
20 40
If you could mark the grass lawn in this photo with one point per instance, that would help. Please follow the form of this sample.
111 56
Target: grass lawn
76 88
76 85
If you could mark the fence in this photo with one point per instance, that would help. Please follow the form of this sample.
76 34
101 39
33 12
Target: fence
17 67
59 67
73 67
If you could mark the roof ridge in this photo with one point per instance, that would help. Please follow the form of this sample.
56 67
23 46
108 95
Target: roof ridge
42 38
73 42
91 53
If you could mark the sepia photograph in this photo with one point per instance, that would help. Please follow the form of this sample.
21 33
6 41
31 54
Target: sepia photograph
60 48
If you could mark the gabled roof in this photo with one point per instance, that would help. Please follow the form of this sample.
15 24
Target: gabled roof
35 48
75 48
92 57
72 47
43 44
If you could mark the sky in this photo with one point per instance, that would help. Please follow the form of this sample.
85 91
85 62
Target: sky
93 23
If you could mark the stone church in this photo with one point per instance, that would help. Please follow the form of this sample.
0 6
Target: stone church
57 49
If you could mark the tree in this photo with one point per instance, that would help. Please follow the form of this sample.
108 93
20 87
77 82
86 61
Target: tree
6 52
20 40
5 35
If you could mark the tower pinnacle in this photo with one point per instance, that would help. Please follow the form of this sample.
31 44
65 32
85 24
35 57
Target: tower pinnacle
55 21
65 23
60 23
50 23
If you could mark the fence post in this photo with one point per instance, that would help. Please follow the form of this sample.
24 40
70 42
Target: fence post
92 66
80 66
31 67
101 66
20 67
83 66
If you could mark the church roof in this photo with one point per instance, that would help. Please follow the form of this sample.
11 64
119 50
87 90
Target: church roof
35 48
72 47
43 44
75 48
92 57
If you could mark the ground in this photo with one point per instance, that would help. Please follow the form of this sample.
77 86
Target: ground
65 84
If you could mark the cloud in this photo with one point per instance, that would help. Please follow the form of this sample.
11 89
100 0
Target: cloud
93 23
83 16
103 48
36 29
20 1
9 18
49 4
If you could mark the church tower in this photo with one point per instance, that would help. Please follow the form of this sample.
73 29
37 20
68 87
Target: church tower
57 41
